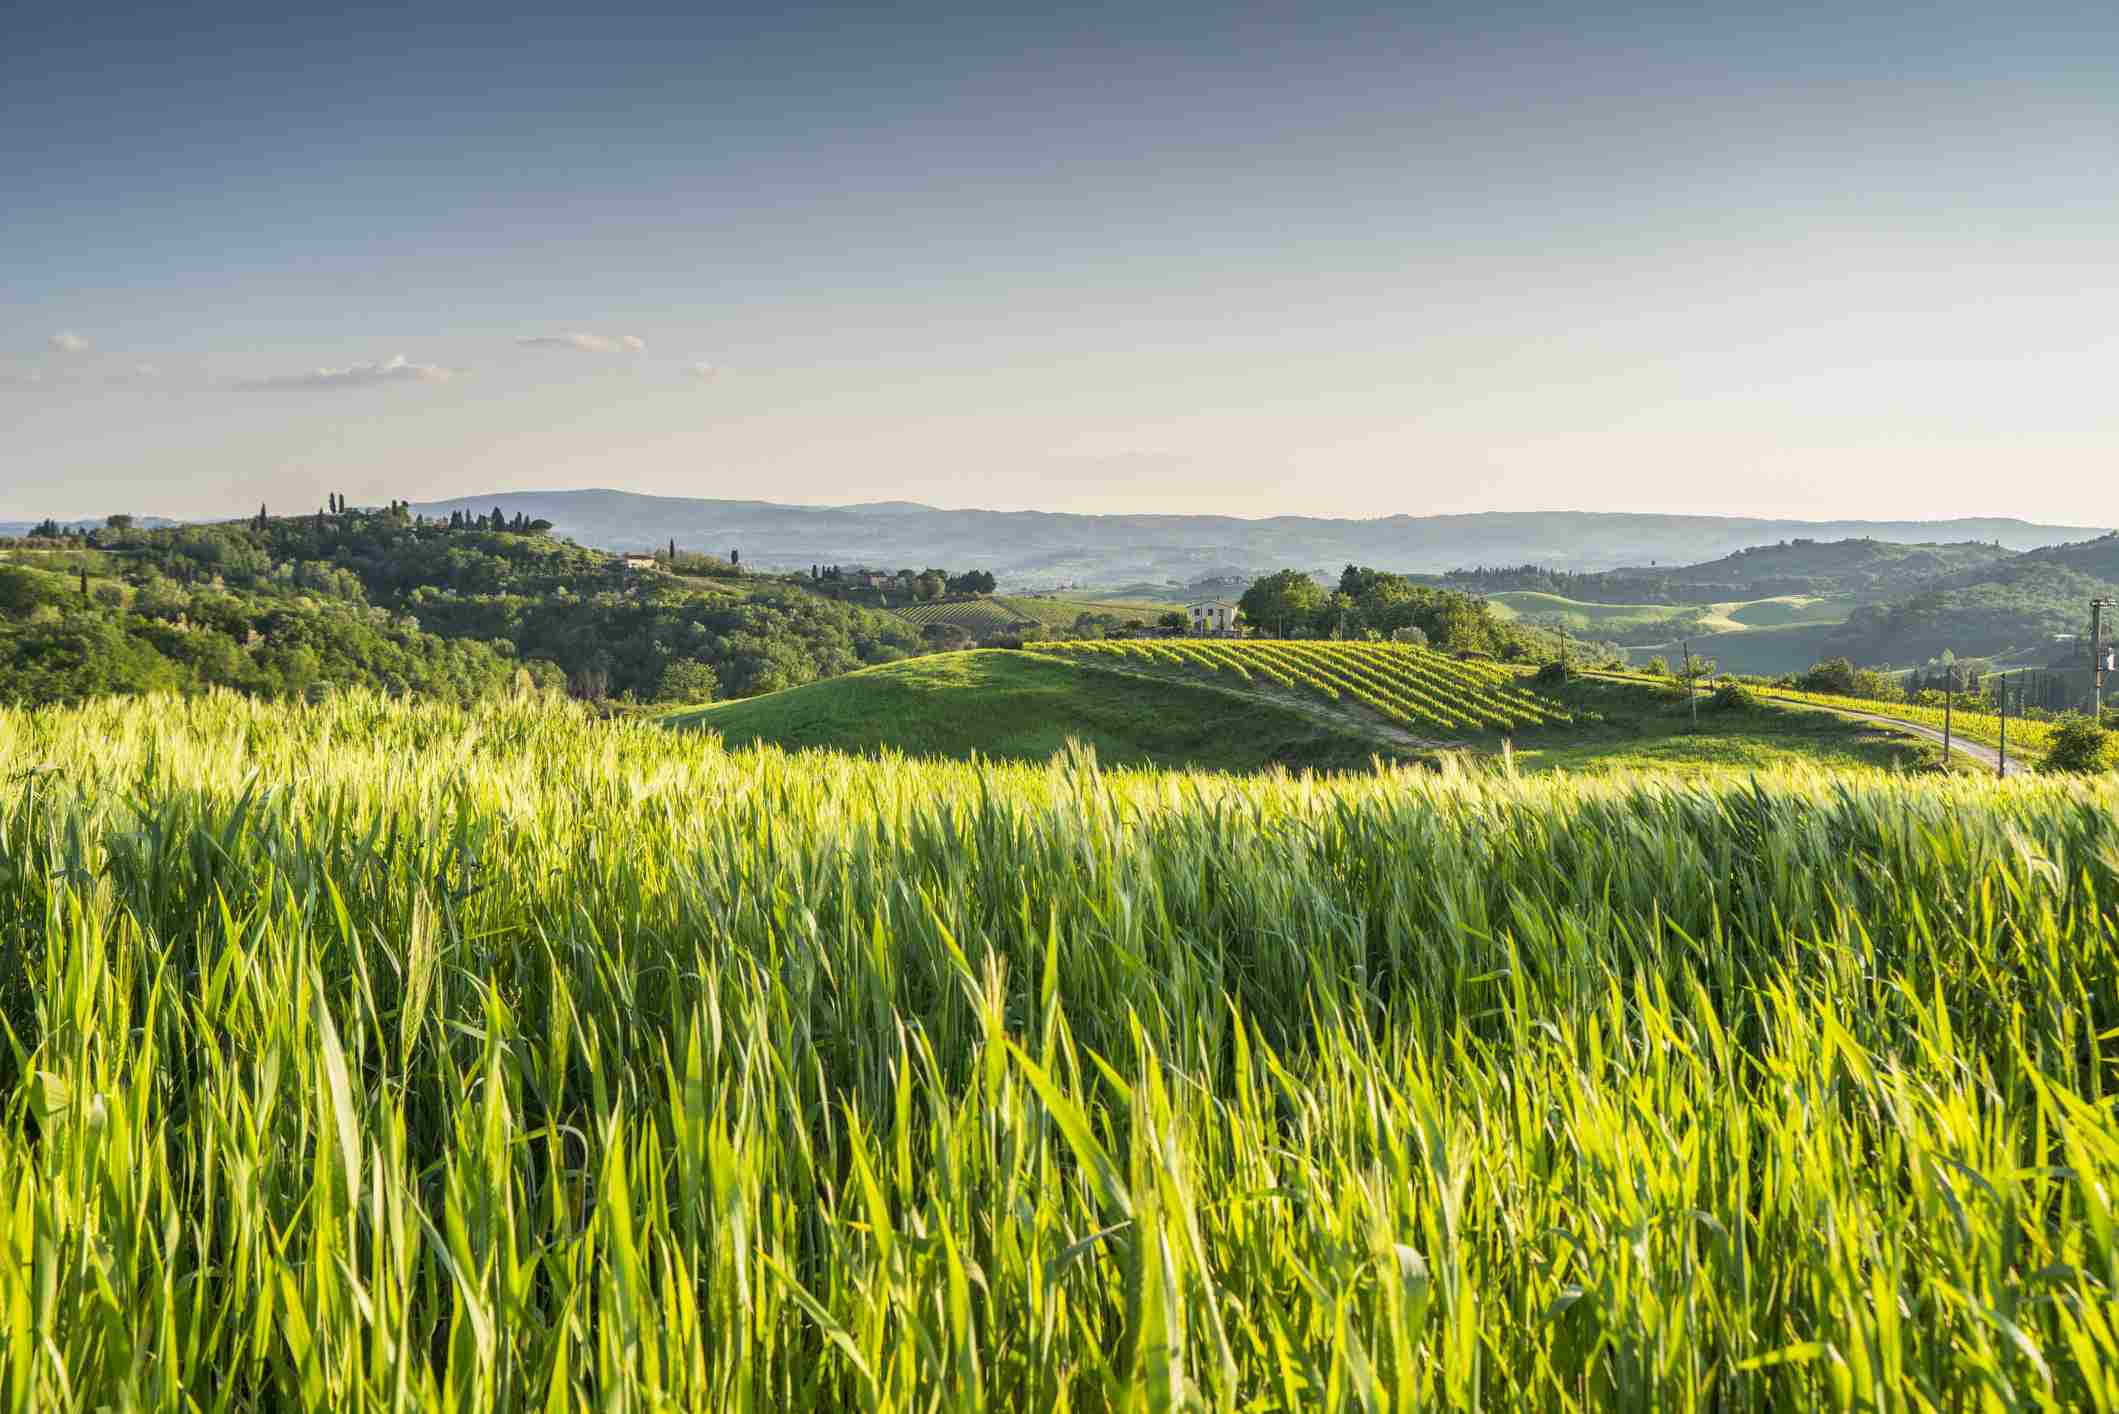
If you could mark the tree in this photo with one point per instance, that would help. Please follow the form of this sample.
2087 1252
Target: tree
1174 619
24 591
735 557
118 522
686 681
1281 602
84 584
261 515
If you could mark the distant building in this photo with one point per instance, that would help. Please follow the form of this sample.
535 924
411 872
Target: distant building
640 562
1212 616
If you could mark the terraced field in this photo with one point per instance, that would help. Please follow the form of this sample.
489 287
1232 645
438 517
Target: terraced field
1413 687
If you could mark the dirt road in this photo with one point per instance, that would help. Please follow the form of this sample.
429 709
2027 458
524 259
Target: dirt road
1985 755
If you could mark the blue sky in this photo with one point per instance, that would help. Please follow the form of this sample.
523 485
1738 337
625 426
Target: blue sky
1273 259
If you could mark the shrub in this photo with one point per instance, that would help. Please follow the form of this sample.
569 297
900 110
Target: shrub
1554 674
1735 696
2077 746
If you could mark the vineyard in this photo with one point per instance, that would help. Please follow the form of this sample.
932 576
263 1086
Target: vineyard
999 613
1413 687
1971 724
1982 727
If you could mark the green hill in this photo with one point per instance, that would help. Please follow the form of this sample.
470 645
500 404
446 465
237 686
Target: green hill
1863 569
1767 651
2018 606
1625 622
989 615
1000 704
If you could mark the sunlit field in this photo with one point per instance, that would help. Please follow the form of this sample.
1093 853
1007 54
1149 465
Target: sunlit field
1412 687
384 1056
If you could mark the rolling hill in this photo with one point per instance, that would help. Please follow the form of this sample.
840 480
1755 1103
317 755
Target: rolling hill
996 614
1027 706
1037 547
2019 606
1859 569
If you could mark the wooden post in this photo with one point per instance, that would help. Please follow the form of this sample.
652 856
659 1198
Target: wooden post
2002 770
1949 695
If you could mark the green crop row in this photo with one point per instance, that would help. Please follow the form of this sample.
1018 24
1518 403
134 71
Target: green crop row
1411 686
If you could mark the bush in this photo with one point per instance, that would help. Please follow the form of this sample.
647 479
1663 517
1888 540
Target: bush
2076 747
1734 696
1554 674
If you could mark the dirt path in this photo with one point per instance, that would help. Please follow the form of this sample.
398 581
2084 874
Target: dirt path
1986 755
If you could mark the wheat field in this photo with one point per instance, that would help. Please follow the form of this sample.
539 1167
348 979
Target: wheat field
376 1056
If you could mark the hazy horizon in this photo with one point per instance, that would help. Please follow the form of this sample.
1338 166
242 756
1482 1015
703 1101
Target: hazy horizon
1822 264
477 498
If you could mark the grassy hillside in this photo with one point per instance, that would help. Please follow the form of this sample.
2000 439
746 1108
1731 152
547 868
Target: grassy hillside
1767 652
1027 706
1621 622
1144 709
505 1058
1628 622
991 615
1779 634
1862 568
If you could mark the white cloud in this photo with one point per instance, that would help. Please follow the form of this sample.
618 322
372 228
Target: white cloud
701 370
359 375
587 343
69 342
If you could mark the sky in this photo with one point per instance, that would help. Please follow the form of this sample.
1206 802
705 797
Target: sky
1319 259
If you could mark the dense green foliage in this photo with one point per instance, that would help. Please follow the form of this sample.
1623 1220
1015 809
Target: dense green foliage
2019 606
380 1055
1370 602
378 599
1838 677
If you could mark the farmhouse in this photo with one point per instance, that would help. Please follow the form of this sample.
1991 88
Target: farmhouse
1213 616
640 562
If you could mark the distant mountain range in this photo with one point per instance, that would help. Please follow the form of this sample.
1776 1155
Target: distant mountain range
1030 549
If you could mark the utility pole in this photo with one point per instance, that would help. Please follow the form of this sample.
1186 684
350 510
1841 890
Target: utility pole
1949 696
1691 694
2002 770
2098 660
